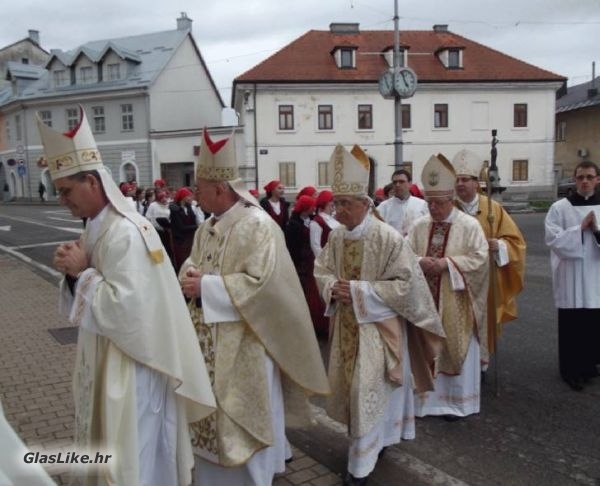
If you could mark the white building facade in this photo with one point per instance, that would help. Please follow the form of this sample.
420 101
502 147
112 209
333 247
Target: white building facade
291 125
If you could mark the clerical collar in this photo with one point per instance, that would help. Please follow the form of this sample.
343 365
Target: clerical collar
93 226
579 200
472 207
358 231
400 200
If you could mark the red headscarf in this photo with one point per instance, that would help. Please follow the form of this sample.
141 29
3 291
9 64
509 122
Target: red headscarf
159 183
304 203
270 187
182 193
307 191
254 192
324 198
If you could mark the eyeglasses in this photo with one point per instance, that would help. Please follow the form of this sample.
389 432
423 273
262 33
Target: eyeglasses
588 177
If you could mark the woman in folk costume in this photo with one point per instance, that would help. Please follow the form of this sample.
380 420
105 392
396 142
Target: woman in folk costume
255 332
297 240
322 224
453 254
275 204
139 377
385 333
183 225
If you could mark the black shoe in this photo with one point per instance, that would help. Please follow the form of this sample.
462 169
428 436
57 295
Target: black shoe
289 459
451 418
381 452
576 384
350 480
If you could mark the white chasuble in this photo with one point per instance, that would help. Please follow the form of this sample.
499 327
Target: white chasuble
367 361
139 377
256 340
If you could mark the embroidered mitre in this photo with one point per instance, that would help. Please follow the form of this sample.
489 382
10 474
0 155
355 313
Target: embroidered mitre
438 177
349 171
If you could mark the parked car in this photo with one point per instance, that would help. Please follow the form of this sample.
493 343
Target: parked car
565 187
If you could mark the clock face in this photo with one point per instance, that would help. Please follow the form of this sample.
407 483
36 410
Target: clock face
405 82
386 83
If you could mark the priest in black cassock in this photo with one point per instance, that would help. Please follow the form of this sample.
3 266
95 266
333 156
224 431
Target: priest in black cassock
573 235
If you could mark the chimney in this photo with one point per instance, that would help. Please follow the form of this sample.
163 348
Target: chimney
343 28
34 35
184 22
593 90
440 28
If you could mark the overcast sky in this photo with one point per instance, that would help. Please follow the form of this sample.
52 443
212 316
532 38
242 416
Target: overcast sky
562 36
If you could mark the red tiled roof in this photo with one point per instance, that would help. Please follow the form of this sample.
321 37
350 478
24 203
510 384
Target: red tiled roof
309 59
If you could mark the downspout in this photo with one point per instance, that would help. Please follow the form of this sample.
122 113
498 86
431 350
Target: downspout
26 154
150 151
255 138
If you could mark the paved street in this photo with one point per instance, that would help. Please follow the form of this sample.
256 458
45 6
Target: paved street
536 432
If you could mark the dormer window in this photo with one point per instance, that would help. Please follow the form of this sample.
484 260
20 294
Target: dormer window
114 71
454 59
451 57
59 77
345 57
85 74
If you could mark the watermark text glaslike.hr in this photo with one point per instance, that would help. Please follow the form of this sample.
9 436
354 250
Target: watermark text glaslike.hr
65 458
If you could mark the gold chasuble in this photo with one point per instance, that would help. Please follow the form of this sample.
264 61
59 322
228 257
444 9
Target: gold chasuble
365 359
462 311
509 278
247 249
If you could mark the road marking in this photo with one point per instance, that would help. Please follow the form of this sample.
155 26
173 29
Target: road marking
36 245
4 228
30 261
71 220
31 221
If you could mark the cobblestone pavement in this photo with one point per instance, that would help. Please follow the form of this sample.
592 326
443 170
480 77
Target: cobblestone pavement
35 373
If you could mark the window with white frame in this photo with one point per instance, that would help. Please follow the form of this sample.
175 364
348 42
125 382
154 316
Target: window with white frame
99 119
18 129
520 115
59 77
440 115
325 117
85 74
286 117
114 71
323 169
72 118
520 170
347 58
46 116
127 117
287 173
365 117
454 58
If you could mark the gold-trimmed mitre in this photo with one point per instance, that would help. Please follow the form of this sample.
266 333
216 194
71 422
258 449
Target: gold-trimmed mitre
467 163
349 171
71 152
217 161
438 177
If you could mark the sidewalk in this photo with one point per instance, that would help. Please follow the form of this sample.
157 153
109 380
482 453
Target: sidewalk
35 372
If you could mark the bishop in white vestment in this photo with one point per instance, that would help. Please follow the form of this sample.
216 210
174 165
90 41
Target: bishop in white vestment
385 333
139 376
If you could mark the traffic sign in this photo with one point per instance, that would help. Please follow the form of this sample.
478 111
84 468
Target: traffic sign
21 170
